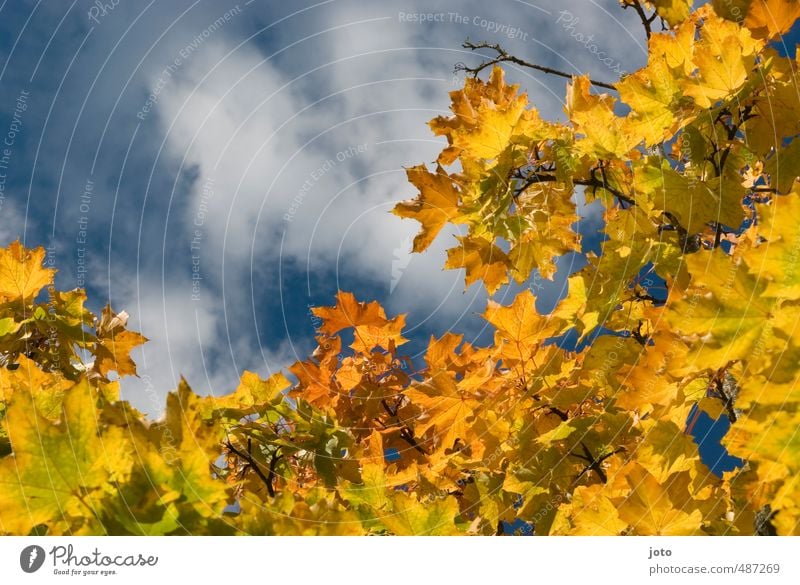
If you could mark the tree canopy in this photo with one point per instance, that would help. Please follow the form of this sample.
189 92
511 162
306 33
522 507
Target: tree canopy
693 304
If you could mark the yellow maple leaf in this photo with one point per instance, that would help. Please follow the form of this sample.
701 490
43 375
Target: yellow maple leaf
783 167
605 135
251 395
541 230
441 353
666 449
656 509
771 18
60 473
734 10
348 312
520 325
46 389
589 513
725 313
693 202
486 117
769 438
573 306
775 259
316 382
655 97
672 11
22 274
114 344
481 259
436 204
410 517
724 57
388 336
445 406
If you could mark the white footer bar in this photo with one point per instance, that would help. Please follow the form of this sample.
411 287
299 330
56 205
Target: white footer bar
401 561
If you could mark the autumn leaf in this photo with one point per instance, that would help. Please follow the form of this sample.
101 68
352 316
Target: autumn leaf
775 258
768 438
60 474
724 57
605 135
694 203
770 18
410 517
481 260
665 450
783 168
114 344
388 336
349 313
486 117
658 105
251 396
46 390
672 11
590 513
520 326
22 274
444 407
181 453
655 509
436 204
729 314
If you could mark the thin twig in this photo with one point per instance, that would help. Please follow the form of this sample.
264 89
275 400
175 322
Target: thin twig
593 463
732 130
405 432
594 182
647 21
408 436
504 57
727 399
254 466
271 477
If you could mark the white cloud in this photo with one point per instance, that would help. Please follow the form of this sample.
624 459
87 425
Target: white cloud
187 338
299 159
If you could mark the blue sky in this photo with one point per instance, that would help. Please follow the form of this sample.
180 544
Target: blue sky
260 147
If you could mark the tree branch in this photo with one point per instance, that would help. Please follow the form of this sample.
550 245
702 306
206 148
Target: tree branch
594 182
726 397
763 521
408 436
405 432
593 463
732 130
271 477
504 57
254 466
647 21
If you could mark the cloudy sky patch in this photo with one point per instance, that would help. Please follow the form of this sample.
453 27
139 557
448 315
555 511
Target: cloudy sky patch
244 157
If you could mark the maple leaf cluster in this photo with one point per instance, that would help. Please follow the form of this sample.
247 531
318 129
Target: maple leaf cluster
692 306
